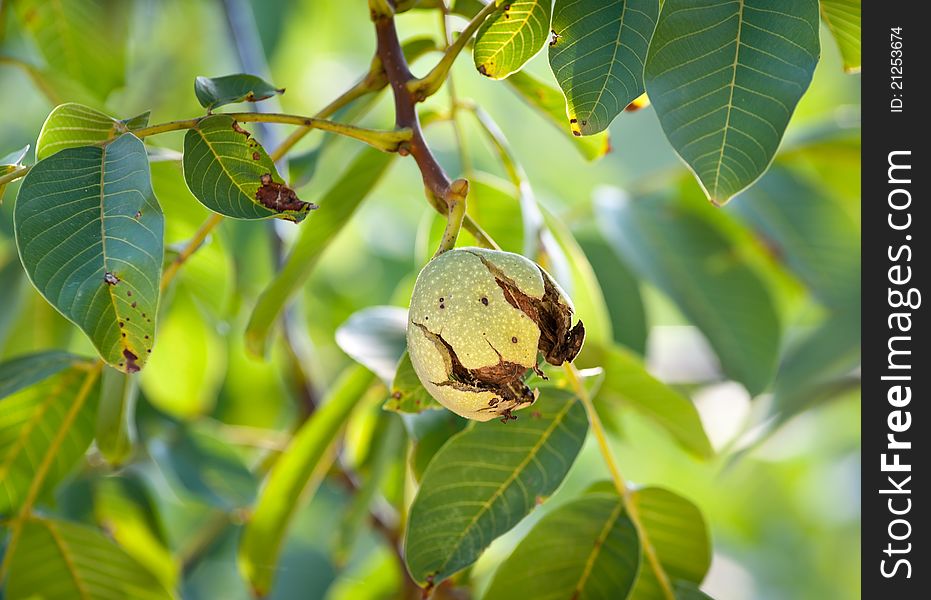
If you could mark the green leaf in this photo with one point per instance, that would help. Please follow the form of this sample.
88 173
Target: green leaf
689 591
628 382
679 537
598 57
214 92
223 168
296 475
58 560
338 204
23 371
549 102
89 232
125 509
44 429
376 338
511 36
810 232
620 289
85 40
677 249
843 19
587 549
74 125
724 77
407 393
486 479
116 427
205 467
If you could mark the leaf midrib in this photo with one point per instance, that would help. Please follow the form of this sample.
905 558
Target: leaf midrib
66 557
730 99
486 505
599 544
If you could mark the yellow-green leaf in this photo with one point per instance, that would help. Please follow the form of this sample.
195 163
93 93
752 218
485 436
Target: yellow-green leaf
510 37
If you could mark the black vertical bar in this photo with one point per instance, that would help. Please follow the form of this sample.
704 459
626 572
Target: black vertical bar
895 432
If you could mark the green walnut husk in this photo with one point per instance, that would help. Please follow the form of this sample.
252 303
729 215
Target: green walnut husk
478 321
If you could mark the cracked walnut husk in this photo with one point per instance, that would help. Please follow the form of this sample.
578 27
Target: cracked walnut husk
478 321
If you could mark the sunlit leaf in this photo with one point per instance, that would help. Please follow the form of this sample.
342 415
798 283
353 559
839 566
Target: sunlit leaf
407 393
296 475
486 479
549 102
124 508
85 40
336 207
89 232
58 560
628 382
115 431
843 19
510 37
224 169
679 537
598 55
587 549
44 428
691 261
214 92
74 125
724 77
375 337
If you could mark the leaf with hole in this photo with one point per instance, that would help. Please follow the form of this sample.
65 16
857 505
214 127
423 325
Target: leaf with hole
549 102
511 36
680 249
843 19
339 202
230 173
45 427
295 477
596 557
57 559
597 57
486 479
86 41
724 77
214 92
89 232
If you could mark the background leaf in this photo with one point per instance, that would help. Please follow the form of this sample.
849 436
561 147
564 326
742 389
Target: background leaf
44 431
10 163
486 479
675 248
598 57
296 475
58 560
375 337
677 531
724 77
550 103
336 207
843 19
407 393
597 554
214 92
510 37
628 382
23 371
68 34
89 232
115 431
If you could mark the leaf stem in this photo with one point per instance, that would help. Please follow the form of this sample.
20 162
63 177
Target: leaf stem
14 175
421 89
387 141
193 244
623 489
456 204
